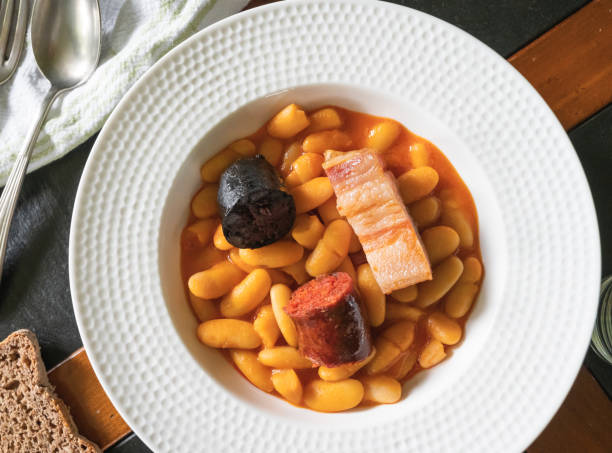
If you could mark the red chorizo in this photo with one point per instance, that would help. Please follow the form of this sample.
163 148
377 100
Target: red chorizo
329 320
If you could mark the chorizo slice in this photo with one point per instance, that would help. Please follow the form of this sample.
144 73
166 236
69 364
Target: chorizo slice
329 319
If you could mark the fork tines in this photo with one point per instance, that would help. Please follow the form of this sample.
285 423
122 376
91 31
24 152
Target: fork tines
13 25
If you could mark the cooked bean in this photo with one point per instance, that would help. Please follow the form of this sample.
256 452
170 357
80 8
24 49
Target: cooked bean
228 333
419 155
278 254
319 142
219 239
288 122
347 266
401 334
272 150
258 374
426 211
417 183
247 294
459 300
337 238
311 194
330 250
323 119
283 357
440 242
244 147
322 260
280 277
397 312
216 281
204 204
204 309
208 258
293 151
200 232
234 256
443 328
445 275
403 366
386 355
212 169
407 294
287 383
448 198
304 168
298 271
395 157
265 326
279 296
307 230
432 354
344 371
382 136
381 389
472 270
333 396
372 295
456 219
328 211
354 244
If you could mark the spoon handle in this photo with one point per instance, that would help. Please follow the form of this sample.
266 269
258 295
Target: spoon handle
10 194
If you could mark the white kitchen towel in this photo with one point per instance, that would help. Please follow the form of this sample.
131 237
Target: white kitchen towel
135 34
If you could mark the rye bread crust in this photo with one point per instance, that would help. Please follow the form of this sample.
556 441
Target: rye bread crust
32 417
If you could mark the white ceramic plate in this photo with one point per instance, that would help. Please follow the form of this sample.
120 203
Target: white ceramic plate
525 340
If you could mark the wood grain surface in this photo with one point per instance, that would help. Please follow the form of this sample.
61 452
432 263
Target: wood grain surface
582 424
94 414
571 67
571 64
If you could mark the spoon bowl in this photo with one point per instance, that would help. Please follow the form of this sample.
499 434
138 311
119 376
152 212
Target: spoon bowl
66 40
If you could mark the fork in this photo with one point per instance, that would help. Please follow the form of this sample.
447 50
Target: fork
9 57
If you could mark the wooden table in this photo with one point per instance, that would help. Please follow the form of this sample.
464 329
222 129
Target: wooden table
570 65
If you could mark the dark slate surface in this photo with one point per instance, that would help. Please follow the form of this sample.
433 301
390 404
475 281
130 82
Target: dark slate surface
504 25
593 142
34 292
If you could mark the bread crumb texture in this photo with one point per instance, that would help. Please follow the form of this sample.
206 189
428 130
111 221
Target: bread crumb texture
32 417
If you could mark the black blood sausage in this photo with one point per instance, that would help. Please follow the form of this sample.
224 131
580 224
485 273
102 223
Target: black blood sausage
254 209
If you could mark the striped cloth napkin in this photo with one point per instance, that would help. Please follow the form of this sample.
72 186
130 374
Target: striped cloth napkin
135 34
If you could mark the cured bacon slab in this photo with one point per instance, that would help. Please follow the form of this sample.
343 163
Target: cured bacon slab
367 196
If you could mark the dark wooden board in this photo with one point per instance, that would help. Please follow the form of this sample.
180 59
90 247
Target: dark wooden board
96 417
571 65
583 422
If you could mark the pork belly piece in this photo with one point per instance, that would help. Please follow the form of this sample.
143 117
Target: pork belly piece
329 320
367 196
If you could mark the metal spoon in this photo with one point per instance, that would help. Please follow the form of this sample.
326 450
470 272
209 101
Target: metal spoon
66 43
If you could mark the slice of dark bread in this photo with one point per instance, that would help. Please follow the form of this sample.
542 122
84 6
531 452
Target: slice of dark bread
32 417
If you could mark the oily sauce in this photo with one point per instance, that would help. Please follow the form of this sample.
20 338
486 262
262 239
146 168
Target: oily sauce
398 160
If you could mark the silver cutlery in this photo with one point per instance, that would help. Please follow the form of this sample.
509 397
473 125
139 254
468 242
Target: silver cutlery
13 17
66 40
